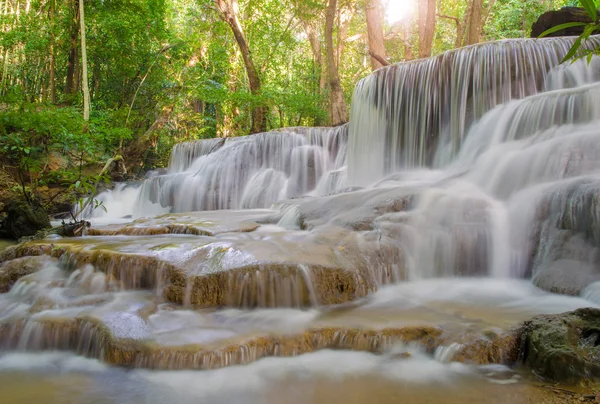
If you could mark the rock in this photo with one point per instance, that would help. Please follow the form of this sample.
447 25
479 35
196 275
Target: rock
565 276
24 219
563 347
260 269
12 271
564 15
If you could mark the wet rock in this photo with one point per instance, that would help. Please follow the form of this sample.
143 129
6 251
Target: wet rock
93 338
503 349
262 271
196 223
565 276
12 271
564 347
564 15
566 240
24 219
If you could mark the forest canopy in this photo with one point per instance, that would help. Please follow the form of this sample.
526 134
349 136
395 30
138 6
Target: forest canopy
91 79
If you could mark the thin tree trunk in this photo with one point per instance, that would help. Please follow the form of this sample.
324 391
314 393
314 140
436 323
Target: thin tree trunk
475 22
375 34
85 84
229 11
426 27
315 45
344 19
73 61
338 108
459 29
52 55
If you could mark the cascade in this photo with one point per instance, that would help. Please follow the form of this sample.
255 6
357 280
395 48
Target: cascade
403 115
250 172
463 191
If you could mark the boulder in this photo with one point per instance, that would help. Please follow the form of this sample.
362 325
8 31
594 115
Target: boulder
564 15
12 271
564 347
24 219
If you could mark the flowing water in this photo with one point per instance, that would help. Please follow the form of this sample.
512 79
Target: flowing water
363 263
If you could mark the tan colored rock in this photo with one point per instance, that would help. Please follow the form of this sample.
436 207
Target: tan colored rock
89 337
12 271
209 272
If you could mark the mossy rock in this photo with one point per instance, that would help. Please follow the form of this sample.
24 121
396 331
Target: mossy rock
12 271
564 347
24 219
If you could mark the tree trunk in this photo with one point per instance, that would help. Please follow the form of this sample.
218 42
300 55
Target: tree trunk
459 29
426 27
475 22
73 61
315 44
84 83
338 108
375 34
52 74
229 11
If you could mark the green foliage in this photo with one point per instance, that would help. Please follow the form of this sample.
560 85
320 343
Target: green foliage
165 71
514 18
51 146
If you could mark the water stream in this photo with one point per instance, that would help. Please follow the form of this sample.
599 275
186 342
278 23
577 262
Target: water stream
347 264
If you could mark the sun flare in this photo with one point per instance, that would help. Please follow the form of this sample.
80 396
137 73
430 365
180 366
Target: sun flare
398 10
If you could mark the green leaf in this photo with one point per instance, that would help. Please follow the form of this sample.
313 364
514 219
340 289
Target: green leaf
573 50
590 8
560 27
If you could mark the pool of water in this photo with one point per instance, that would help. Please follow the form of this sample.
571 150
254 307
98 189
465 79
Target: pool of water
324 377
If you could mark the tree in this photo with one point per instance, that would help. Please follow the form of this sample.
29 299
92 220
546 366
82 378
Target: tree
375 34
337 107
427 22
72 85
229 10
85 83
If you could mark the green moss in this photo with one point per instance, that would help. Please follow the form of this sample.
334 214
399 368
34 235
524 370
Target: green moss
565 347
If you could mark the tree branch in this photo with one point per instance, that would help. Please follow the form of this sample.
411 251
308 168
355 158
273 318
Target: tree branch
379 58
449 17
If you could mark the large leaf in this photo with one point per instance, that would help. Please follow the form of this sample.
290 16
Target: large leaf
590 8
561 27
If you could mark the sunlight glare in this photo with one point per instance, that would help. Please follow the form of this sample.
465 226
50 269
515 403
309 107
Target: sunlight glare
398 10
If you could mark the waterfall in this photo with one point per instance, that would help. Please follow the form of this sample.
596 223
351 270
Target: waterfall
481 164
479 161
418 113
184 154
250 171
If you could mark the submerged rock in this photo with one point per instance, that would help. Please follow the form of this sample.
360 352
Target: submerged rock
563 347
